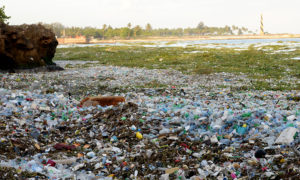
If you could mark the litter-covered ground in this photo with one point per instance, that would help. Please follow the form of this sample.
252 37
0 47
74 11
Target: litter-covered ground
172 126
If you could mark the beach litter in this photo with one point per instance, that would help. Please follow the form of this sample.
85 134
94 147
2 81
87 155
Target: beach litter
177 132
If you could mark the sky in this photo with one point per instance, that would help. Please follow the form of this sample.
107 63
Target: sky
280 16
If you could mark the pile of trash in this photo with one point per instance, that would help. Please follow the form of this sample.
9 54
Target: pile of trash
165 133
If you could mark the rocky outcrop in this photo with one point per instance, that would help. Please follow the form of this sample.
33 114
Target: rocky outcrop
27 47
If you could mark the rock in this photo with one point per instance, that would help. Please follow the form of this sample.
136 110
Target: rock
26 47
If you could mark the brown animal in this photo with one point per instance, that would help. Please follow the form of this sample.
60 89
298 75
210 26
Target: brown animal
102 101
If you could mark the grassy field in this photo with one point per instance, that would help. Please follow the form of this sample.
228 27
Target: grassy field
270 67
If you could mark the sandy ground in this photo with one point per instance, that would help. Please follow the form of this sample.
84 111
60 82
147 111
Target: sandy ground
190 38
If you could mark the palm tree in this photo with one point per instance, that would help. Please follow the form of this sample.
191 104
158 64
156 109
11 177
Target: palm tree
104 27
137 31
129 25
148 27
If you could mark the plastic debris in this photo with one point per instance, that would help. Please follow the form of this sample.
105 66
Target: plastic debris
179 131
260 154
139 135
287 136
171 170
62 146
78 166
51 163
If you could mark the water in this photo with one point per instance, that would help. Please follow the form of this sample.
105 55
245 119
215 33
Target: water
296 58
244 41
207 43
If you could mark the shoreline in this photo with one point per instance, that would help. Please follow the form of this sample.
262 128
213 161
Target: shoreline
184 38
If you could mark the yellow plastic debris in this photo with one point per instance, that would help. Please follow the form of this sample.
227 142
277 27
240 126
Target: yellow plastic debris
139 135
37 146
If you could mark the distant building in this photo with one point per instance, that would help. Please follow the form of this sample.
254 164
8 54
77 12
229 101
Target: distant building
70 40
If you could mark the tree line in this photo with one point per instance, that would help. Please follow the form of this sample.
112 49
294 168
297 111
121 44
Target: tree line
131 32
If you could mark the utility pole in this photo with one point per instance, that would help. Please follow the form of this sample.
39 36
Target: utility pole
261 25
